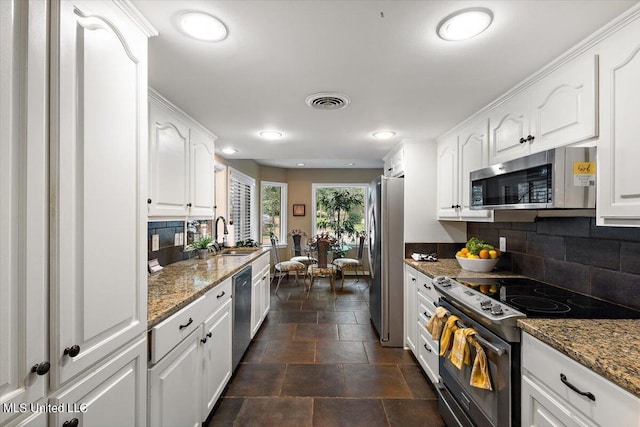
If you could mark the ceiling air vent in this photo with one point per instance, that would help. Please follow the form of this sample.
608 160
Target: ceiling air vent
328 101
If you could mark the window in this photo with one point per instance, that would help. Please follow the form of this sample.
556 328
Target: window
273 211
242 190
339 209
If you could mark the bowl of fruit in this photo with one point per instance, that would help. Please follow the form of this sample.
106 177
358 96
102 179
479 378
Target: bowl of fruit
478 256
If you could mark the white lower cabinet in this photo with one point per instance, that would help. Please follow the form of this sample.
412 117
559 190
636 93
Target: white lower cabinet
558 391
420 304
410 298
216 356
112 395
260 292
186 381
31 419
174 394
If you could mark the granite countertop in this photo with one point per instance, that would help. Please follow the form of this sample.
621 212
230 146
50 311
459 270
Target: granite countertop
180 283
451 268
610 348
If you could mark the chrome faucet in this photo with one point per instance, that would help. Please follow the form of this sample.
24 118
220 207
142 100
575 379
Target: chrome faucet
215 228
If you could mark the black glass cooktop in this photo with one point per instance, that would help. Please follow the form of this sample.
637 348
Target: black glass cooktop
537 299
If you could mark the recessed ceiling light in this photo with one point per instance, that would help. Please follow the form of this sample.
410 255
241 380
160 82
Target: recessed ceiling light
351 164
271 134
202 26
229 150
299 164
384 134
465 23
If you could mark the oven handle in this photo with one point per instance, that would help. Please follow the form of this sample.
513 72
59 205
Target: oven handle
485 343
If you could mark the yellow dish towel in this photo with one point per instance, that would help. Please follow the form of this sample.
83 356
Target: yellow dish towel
436 322
446 338
480 372
460 352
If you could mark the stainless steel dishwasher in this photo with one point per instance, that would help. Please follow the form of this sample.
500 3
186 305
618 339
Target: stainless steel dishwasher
241 314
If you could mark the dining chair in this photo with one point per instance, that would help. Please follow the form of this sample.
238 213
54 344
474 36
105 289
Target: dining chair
299 254
322 268
352 264
284 267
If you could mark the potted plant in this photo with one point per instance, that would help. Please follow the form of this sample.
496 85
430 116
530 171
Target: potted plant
338 213
203 245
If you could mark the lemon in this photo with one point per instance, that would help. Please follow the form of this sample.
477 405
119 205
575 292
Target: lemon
472 256
493 254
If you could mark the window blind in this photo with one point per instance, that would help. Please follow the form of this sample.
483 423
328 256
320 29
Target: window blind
242 196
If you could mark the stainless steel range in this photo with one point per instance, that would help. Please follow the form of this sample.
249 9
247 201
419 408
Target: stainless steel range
492 307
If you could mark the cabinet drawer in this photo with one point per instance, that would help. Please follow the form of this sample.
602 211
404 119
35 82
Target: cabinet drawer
613 405
426 288
428 355
170 332
216 297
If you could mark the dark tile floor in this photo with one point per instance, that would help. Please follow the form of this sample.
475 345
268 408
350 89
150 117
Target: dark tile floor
317 362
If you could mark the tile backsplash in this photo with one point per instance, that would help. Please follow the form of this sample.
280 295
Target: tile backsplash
167 253
572 253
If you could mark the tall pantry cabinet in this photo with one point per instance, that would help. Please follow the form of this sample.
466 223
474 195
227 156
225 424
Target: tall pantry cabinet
74 211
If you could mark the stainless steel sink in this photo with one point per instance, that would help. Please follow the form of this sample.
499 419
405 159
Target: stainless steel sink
235 253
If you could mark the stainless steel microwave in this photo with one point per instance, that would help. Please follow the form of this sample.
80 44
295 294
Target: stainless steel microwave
562 178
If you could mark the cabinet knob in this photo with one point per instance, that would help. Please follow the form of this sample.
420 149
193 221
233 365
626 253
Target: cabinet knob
458 206
189 205
426 347
72 351
209 334
73 422
149 201
427 287
203 340
221 295
530 138
41 368
522 140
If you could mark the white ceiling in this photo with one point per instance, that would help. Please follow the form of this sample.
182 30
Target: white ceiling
398 73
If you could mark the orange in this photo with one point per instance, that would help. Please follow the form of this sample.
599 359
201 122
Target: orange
464 251
484 254
460 254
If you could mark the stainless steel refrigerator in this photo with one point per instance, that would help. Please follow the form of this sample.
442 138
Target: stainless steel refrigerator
386 258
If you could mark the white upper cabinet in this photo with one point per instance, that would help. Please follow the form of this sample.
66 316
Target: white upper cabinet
394 163
23 205
168 163
509 129
557 110
472 155
181 166
448 177
99 183
202 174
618 188
563 105
458 155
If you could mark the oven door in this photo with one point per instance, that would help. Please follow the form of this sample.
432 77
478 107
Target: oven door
469 405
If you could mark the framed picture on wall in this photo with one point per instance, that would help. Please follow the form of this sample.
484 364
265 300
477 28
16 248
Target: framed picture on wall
298 210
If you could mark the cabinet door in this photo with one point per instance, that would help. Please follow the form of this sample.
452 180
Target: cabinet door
448 178
619 145
541 409
508 123
98 173
23 202
113 395
256 304
472 154
168 163
266 291
563 105
216 357
202 194
175 386
410 307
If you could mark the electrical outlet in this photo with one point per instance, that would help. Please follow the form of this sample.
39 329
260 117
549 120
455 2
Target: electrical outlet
503 244
155 242
176 239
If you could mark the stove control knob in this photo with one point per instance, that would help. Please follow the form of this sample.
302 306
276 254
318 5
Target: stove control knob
496 310
444 281
485 304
